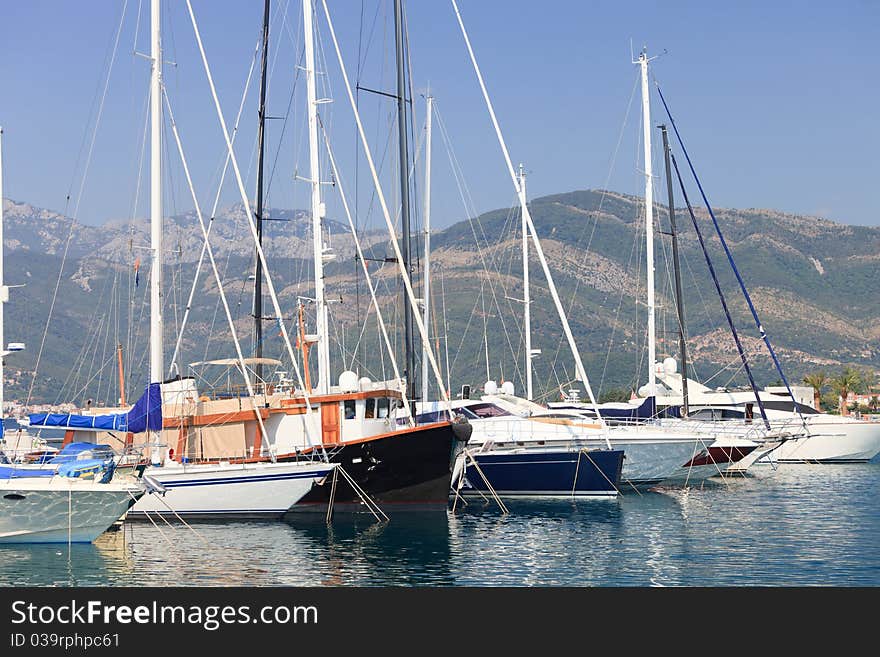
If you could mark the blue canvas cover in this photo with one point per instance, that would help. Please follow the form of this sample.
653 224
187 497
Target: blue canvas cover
146 414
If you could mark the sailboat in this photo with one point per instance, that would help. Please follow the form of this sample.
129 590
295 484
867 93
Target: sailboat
651 453
260 489
792 431
350 430
69 499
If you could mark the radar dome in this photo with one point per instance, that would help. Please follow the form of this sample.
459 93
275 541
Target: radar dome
507 388
348 381
365 382
670 365
490 388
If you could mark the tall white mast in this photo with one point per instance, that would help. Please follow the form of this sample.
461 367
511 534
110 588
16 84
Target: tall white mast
156 351
527 311
318 210
156 356
427 292
649 223
4 291
539 251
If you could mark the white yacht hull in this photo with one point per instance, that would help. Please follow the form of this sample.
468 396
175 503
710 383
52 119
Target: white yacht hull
648 462
61 509
832 439
228 490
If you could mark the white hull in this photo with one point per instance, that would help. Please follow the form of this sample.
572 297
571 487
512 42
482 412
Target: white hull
649 461
651 454
251 490
61 509
716 460
832 439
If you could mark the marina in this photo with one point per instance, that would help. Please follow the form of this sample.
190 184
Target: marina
755 531
584 389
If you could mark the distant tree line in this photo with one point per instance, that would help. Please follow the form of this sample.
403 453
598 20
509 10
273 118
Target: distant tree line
831 391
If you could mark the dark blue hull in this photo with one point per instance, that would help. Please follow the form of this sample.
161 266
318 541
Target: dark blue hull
585 473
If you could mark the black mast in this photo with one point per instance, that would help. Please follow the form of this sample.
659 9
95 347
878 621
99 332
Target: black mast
403 157
679 300
258 274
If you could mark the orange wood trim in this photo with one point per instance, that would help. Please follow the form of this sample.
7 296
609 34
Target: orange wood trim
330 424
258 440
181 444
212 419
342 396
68 438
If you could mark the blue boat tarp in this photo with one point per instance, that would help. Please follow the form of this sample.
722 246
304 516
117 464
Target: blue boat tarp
82 451
12 472
644 411
146 414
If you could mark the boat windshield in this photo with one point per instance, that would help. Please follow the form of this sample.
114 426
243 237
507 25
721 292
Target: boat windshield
473 412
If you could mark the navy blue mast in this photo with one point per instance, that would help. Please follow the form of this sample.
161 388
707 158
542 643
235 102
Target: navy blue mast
739 347
742 284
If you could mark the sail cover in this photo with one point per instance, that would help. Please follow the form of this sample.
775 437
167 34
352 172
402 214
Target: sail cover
145 415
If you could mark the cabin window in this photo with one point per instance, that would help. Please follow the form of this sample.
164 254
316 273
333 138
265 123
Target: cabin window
370 408
382 408
348 409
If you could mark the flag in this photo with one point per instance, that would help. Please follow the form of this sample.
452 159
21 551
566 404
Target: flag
137 271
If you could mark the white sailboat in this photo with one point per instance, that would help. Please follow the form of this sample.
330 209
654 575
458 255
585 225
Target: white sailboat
68 503
830 439
653 454
220 488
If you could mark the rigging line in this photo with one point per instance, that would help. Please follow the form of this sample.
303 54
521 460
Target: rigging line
225 170
78 200
616 321
97 334
736 339
705 306
445 329
218 280
604 192
465 332
595 216
251 225
404 275
458 175
360 253
733 266
132 216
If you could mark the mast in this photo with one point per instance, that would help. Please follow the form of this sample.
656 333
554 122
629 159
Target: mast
156 325
4 291
403 163
649 223
679 299
258 273
427 291
323 344
527 313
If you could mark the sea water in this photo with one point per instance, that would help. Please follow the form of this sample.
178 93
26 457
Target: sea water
795 525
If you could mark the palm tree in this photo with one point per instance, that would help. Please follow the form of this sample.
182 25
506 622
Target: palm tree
846 382
817 381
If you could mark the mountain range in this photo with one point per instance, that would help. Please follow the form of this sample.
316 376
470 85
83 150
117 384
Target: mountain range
811 281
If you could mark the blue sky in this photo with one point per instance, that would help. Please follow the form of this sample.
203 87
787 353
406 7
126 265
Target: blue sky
776 101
